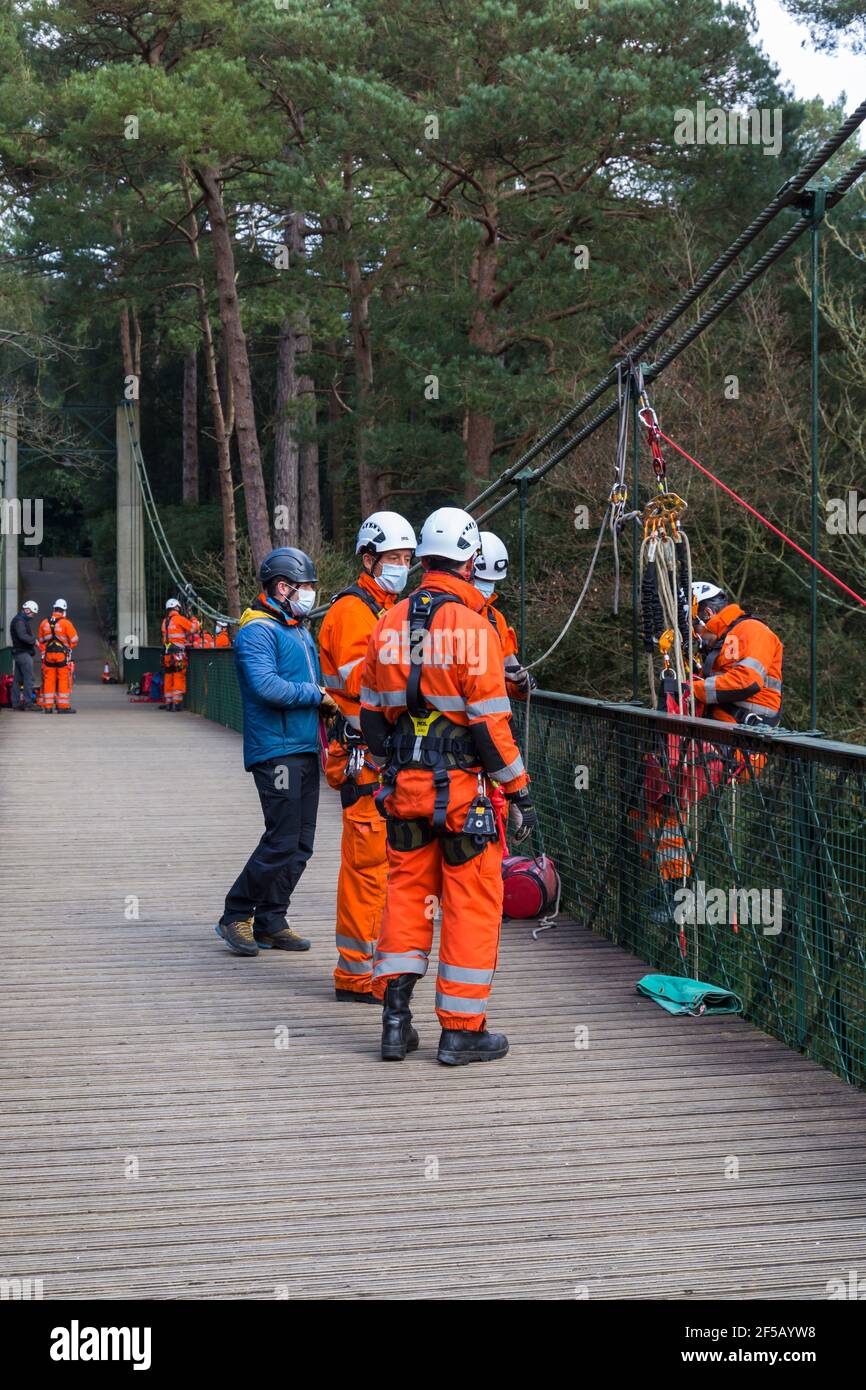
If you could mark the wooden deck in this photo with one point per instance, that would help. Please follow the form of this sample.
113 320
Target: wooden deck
157 1144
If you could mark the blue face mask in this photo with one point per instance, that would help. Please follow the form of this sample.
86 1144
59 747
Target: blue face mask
393 578
484 586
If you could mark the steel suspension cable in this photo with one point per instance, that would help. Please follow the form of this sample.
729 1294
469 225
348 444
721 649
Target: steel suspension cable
785 197
155 522
838 190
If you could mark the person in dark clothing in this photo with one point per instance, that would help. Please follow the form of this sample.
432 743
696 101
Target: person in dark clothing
24 645
283 700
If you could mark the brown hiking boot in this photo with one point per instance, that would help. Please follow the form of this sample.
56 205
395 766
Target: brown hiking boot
238 936
283 940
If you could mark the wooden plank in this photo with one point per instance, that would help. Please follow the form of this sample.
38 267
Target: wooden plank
317 1170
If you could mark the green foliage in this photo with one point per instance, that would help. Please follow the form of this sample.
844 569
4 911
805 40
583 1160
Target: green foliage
450 163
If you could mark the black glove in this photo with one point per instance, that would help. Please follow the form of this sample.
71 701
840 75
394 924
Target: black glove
522 815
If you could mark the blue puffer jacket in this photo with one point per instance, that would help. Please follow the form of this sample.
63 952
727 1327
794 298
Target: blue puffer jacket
279 676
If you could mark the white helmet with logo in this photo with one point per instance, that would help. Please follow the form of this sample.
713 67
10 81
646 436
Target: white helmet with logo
172 603
492 563
30 606
451 533
60 605
702 592
385 531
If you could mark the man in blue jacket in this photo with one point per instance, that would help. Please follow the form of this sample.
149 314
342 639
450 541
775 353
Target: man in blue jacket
280 683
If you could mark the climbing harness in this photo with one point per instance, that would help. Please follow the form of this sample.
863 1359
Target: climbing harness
55 646
423 737
355 591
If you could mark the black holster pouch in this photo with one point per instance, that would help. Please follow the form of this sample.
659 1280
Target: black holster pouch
406 835
350 792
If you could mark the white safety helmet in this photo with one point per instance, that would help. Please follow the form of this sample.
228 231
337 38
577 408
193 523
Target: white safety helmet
30 606
451 533
172 603
702 591
60 603
385 531
492 563
219 627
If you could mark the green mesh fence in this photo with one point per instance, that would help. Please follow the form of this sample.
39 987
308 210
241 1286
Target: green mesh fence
212 687
5 661
148 659
707 850
704 849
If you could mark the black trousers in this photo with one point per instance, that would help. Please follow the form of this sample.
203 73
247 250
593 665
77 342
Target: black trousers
288 789
23 672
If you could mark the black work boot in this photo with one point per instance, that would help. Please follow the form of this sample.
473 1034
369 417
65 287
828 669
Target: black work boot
398 1035
457 1047
662 904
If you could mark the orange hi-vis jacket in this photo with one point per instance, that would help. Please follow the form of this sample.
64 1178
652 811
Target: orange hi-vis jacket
462 677
64 633
743 671
343 639
507 635
222 639
179 631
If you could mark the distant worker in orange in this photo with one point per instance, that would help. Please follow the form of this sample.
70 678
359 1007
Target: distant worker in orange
491 570
741 681
433 703
221 636
386 544
178 632
57 641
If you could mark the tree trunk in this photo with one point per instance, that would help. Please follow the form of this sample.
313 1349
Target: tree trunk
478 427
362 349
336 481
287 506
311 506
224 463
239 367
190 428
221 430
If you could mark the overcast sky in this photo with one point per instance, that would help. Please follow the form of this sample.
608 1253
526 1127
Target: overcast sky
809 73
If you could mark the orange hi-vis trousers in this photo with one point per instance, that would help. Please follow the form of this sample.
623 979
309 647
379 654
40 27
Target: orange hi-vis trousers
361 882
470 896
174 687
56 686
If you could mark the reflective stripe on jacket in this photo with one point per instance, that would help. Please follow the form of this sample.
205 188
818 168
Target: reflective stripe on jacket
743 675
463 674
343 640
63 631
178 630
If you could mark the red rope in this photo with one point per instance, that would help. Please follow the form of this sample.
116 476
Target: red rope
749 508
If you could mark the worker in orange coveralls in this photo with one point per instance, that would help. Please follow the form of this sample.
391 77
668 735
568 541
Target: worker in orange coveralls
491 569
433 703
178 632
57 641
221 636
742 661
741 683
386 544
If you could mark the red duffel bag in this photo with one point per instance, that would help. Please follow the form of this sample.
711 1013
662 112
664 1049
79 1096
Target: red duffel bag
531 886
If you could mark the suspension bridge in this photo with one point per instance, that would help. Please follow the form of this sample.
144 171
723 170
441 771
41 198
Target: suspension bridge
181 1123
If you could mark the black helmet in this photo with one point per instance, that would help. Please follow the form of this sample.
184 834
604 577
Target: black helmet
288 563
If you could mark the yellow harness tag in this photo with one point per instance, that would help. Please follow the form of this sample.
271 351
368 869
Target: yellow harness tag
421 722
